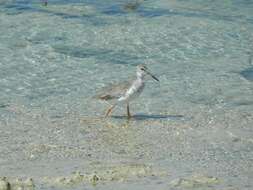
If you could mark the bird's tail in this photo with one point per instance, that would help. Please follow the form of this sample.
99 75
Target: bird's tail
102 97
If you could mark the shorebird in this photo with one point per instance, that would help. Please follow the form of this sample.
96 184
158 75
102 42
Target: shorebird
133 5
124 92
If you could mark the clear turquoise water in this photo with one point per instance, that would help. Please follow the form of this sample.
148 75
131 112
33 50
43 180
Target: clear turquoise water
53 60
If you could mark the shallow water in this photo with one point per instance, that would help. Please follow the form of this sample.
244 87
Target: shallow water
197 121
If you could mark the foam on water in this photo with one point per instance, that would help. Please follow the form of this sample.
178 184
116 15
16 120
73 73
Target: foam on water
197 120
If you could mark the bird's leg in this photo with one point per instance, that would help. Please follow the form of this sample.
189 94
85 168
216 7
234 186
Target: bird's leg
109 111
128 111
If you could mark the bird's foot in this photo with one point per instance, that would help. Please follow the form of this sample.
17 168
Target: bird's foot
129 116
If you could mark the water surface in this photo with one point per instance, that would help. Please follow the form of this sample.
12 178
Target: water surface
198 120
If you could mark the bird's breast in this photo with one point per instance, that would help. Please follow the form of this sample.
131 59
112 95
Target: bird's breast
134 91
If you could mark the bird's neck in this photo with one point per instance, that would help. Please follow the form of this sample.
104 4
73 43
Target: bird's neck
140 78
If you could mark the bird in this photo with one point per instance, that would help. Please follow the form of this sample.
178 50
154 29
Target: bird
132 6
125 92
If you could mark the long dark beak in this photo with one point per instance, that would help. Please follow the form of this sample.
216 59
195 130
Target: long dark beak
152 76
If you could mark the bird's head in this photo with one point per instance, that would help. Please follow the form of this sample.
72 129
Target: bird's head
142 71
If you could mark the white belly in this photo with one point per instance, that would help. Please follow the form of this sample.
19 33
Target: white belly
133 92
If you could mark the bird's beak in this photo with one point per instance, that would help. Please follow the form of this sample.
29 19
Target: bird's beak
152 76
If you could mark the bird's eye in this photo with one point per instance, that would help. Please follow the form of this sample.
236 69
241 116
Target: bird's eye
142 69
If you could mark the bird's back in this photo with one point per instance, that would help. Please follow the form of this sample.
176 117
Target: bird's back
113 91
